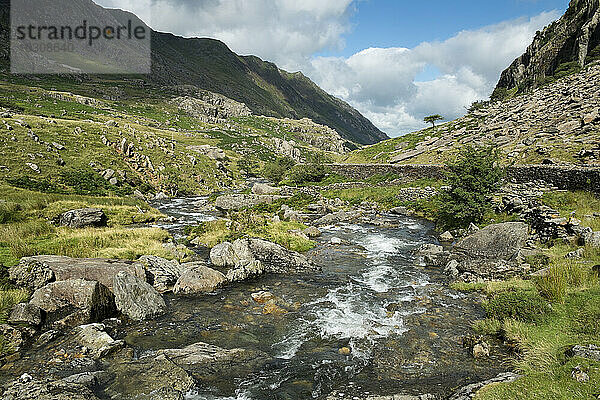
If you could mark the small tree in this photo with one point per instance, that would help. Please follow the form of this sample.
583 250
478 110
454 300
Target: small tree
276 170
314 171
432 118
473 177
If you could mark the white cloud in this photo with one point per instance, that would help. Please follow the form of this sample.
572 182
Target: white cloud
380 82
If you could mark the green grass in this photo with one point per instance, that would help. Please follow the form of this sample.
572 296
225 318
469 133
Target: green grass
582 204
212 233
541 318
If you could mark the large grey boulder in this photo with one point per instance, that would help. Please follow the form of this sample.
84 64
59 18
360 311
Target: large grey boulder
498 241
263 188
338 217
74 302
136 298
65 268
204 361
198 278
493 252
277 259
143 378
83 218
243 272
468 392
251 257
162 273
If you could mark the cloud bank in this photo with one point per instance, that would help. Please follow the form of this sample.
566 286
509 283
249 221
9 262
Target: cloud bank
393 87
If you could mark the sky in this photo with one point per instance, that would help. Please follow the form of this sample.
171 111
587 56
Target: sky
396 61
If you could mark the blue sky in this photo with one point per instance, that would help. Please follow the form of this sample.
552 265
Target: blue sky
394 61
389 23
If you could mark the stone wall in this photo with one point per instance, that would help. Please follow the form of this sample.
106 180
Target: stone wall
563 177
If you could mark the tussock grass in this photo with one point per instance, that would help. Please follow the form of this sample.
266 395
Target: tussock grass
212 233
121 243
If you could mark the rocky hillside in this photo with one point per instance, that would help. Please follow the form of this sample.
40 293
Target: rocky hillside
560 49
557 123
263 87
127 137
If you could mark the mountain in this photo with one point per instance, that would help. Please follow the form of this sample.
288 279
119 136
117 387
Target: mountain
562 48
210 65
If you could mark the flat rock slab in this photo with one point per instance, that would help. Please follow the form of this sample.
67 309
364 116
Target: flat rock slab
90 269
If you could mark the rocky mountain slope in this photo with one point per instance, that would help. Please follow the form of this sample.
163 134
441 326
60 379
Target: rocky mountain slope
560 49
557 123
132 137
209 64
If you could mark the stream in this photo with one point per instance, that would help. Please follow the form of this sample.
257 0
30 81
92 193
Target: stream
372 322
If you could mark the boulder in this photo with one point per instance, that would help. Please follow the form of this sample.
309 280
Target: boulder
89 269
468 392
74 302
223 255
95 338
493 252
205 362
32 275
13 339
136 298
83 218
338 217
162 273
432 254
30 389
198 278
144 377
312 232
590 351
263 188
446 237
26 314
276 258
245 271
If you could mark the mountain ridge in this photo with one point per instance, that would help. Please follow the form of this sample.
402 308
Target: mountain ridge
266 89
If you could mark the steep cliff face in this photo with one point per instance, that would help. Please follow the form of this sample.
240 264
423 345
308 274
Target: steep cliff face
560 49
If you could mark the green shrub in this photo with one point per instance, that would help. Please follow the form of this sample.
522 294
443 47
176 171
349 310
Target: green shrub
473 177
84 182
10 212
276 170
38 185
526 306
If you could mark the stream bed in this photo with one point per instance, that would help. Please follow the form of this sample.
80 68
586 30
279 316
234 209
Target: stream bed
373 321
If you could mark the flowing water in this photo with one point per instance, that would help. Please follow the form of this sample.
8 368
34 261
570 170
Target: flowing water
399 321
373 321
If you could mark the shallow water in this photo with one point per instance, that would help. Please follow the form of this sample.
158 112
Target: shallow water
397 324
401 323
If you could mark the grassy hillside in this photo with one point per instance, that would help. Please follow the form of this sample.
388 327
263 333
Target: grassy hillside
61 141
